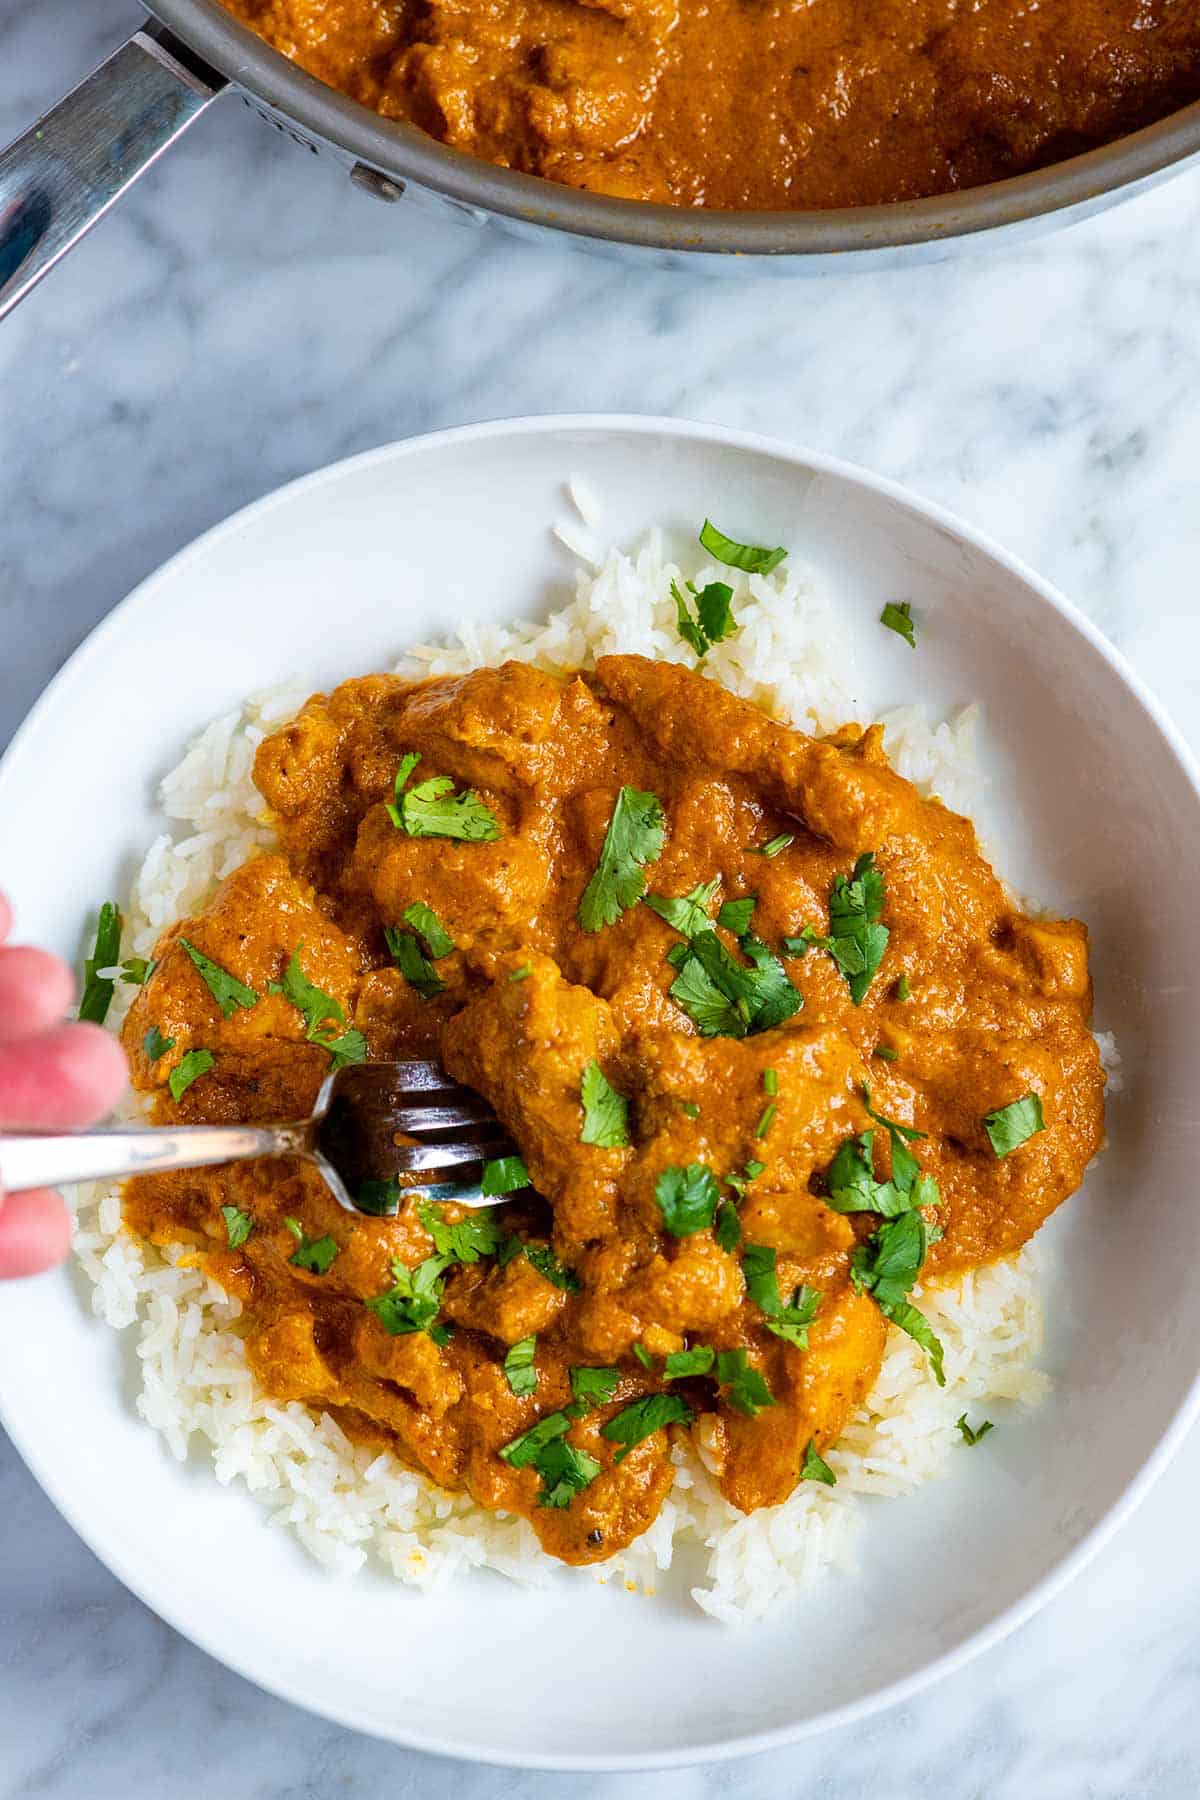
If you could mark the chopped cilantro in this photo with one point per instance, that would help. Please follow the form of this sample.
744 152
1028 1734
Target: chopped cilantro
897 616
904 988
565 1471
379 1199
98 990
238 1226
773 846
739 1183
413 1303
594 1387
851 1176
714 619
314 1255
228 992
747 1390
735 915
680 1364
969 1436
155 1044
689 1109
550 1269
321 1013
412 963
605 1112
885 1053
766 1120
687 1198
788 1322
429 928
433 809
520 1451
504 1175
724 998
636 832
748 557
137 970
727 1227
1011 1126
641 1419
189 1068
519 1369
770 1081
520 974
687 913
644 1357
477 1235
814 1466
886 1265
856 940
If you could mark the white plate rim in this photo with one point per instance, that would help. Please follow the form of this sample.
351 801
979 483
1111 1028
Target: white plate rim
1139 1484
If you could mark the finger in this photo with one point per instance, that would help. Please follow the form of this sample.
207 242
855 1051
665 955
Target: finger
70 1076
5 918
35 1232
35 992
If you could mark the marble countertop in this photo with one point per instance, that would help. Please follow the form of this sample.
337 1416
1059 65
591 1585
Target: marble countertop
248 316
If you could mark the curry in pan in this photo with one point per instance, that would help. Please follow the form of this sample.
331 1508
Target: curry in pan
754 103
772 1039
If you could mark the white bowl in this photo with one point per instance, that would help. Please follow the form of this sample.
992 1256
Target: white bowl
1093 807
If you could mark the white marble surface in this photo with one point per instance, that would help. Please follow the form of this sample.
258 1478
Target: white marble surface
247 316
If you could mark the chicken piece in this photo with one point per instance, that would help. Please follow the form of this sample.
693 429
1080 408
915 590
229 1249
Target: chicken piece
284 1357
412 1361
507 1303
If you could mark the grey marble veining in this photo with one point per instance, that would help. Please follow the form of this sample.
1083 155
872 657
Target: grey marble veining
248 316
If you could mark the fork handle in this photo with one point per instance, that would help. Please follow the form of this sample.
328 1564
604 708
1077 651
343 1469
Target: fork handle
38 1160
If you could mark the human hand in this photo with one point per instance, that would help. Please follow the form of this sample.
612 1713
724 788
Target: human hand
53 1077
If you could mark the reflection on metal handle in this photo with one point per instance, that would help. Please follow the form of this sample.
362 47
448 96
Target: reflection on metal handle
67 171
39 1161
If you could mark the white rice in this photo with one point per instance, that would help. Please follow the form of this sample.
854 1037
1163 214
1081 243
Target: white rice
347 1504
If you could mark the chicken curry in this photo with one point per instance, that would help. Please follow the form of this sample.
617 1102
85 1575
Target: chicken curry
754 103
772 1040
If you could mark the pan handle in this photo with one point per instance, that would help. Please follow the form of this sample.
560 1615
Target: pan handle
64 174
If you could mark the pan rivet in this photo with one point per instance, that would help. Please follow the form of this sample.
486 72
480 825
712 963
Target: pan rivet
383 187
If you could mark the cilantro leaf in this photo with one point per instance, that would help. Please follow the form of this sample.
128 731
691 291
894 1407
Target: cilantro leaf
682 1363
550 1269
775 998
749 557
238 1226
1011 1126
773 846
766 1119
790 1322
687 1198
519 1369
739 1183
904 988
635 836
97 990
314 1255
857 940
321 1013
897 616
886 1266
412 963
433 809
727 1227
605 1112
735 915
642 1418
524 1449
137 970
814 1466
894 1129
504 1175
429 929
415 1300
969 1436
189 1068
747 1390
758 1269
714 619
155 1044
379 1199
711 1012
723 997
565 1471
228 992
477 1235
594 1387
521 974
689 912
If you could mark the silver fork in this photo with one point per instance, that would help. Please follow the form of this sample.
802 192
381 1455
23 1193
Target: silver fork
350 1138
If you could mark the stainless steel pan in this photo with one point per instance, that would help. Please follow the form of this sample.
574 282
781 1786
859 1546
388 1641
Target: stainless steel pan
64 174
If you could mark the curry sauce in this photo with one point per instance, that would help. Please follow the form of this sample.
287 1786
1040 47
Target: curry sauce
724 1109
754 103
